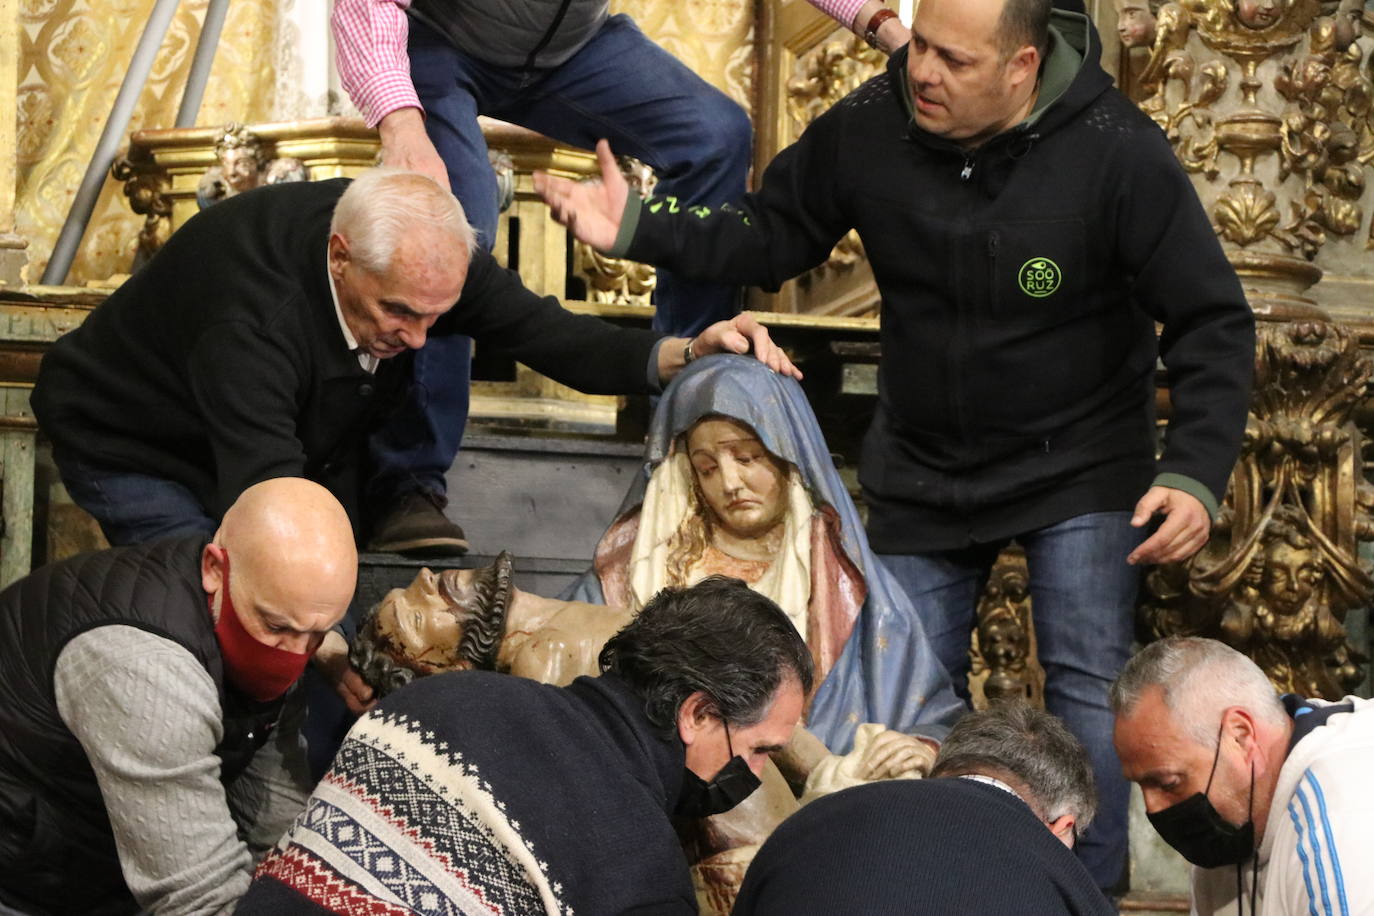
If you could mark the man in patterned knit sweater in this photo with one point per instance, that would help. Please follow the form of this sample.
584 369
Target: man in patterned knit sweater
475 792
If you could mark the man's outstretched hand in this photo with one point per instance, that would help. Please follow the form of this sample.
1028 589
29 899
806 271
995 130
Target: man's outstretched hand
1185 530
590 209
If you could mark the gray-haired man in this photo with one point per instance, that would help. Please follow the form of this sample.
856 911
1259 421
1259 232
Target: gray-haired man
989 833
1268 796
274 331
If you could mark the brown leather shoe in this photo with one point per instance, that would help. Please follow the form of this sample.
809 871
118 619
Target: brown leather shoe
417 525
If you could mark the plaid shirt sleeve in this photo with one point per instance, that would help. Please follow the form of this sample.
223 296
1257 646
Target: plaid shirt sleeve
370 36
842 11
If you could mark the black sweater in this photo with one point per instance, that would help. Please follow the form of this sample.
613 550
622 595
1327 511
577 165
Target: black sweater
1012 393
938 846
222 363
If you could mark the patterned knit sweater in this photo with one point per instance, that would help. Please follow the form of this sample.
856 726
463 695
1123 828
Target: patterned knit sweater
479 793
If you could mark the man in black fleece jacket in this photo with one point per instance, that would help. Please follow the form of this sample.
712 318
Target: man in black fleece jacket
1027 226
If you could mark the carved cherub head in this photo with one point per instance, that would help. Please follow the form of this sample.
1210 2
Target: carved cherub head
1292 570
453 620
1003 642
1135 23
1259 14
241 158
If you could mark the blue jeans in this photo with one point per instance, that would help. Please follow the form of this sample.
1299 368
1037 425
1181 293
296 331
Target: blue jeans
620 86
133 508
1083 597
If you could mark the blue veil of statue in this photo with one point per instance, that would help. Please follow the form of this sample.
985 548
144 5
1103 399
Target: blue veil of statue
887 671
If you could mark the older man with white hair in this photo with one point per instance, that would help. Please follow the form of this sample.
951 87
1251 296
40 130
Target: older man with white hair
275 330
1268 796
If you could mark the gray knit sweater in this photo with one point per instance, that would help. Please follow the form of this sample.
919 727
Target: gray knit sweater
148 716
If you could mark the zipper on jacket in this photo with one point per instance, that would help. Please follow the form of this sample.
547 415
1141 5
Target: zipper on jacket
967 171
548 36
992 245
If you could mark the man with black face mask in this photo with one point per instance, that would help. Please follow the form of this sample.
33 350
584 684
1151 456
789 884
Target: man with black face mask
1268 796
495 793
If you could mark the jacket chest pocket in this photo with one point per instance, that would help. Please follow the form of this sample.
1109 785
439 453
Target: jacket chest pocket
1036 270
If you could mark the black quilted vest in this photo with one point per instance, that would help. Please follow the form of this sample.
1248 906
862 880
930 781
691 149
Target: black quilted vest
57 851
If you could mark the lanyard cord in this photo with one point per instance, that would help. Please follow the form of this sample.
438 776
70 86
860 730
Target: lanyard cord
1254 857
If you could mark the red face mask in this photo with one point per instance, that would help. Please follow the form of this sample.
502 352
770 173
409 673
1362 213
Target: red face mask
256 669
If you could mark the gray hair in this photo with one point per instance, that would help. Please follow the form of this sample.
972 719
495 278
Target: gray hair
384 205
1199 678
1013 738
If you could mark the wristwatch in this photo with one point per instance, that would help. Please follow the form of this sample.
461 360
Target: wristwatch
875 23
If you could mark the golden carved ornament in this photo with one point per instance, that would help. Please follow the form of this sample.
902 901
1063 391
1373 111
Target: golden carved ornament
827 73
1002 656
148 196
1282 568
1284 171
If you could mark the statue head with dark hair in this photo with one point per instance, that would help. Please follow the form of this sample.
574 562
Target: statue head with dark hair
449 621
719 638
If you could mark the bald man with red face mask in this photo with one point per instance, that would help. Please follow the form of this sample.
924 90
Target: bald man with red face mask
148 747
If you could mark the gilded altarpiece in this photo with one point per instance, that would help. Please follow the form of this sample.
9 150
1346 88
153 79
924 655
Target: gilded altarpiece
808 63
1268 104
72 56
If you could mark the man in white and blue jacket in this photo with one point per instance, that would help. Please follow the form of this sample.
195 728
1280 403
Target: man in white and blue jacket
1269 796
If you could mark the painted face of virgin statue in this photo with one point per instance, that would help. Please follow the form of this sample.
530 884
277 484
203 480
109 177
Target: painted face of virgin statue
743 485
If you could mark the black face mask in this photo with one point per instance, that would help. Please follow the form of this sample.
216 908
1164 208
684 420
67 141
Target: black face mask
733 784
1200 834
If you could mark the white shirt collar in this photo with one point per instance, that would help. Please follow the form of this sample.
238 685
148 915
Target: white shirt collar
979 777
365 359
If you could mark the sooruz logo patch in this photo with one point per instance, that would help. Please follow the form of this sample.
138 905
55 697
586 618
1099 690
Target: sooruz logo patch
1039 277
